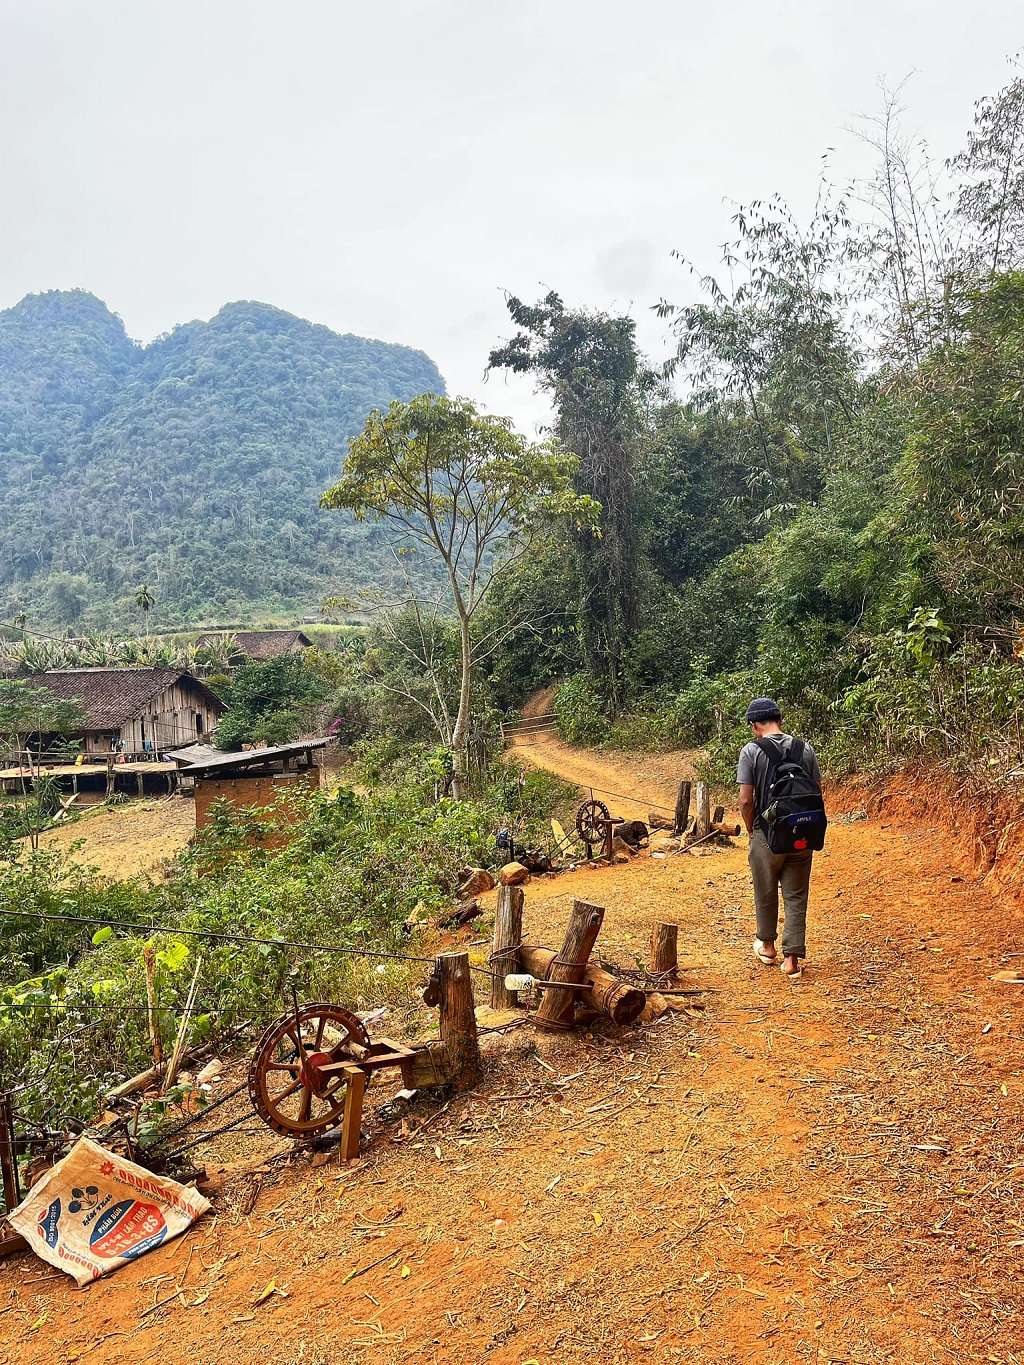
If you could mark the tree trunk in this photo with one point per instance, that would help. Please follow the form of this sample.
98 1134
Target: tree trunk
460 735
703 822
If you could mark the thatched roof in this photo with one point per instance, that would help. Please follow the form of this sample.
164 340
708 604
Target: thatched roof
110 697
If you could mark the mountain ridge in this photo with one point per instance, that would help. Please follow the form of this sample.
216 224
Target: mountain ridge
192 462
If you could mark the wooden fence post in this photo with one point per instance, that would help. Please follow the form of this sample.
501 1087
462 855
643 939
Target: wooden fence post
703 822
664 948
508 938
558 1006
682 817
458 1022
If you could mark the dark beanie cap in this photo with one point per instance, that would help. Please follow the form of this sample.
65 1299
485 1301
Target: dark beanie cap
763 708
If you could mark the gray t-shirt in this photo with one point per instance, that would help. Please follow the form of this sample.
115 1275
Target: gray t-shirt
753 764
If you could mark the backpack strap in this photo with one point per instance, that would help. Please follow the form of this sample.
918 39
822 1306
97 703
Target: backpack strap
796 752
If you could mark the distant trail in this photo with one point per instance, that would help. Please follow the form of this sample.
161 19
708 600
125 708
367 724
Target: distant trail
634 783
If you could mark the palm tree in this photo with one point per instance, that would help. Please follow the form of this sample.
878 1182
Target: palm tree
145 600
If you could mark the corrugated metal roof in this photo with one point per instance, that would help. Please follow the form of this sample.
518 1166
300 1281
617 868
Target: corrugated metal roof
247 758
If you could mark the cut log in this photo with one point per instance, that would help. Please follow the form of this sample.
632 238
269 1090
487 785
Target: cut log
557 1008
665 948
658 820
514 874
621 1002
731 830
458 1022
505 945
462 914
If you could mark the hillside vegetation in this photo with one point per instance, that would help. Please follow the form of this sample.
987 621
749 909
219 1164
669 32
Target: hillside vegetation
193 464
833 515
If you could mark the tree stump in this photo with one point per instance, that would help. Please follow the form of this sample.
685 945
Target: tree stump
558 1006
682 817
458 1022
508 936
665 948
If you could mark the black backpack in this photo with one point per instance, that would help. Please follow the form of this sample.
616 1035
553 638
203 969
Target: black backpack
790 809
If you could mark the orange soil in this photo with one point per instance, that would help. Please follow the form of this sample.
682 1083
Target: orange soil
827 1172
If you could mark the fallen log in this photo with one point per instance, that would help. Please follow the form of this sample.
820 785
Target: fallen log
621 1002
557 1007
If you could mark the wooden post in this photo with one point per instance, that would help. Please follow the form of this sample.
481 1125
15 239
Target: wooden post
458 1022
110 775
702 825
717 816
665 948
508 937
138 783
156 1042
353 1113
682 808
557 1008
8 1159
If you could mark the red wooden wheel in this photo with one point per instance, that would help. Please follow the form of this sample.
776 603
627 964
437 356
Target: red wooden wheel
293 1083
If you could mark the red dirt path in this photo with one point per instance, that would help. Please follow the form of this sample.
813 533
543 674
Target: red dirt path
827 1172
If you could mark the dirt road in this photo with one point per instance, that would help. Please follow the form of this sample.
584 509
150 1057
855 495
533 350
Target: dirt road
137 838
828 1172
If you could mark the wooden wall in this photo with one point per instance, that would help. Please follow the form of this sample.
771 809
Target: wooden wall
169 720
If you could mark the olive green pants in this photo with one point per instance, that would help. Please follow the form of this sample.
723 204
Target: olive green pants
769 871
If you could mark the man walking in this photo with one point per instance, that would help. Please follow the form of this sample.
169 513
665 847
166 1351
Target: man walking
791 869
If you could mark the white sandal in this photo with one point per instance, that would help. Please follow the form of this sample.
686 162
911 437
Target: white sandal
792 976
765 959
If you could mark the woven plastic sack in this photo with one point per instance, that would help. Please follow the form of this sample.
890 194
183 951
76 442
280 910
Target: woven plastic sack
95 1211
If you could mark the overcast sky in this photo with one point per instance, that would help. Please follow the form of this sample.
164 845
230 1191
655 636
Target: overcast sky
392 168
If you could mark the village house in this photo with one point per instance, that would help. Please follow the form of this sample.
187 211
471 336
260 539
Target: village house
258 644
135 710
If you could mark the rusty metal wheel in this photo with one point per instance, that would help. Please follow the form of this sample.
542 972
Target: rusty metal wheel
591 820
295 1083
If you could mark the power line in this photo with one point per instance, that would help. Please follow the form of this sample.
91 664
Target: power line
223 937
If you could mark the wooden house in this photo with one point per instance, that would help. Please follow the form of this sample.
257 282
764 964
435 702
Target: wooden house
135 710
258 645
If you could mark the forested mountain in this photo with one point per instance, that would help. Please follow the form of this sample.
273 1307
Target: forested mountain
193 464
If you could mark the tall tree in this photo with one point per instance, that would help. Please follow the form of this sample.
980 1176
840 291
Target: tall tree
589 363
991 168
144 600
475 497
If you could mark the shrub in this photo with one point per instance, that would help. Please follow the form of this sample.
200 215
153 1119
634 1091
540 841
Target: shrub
580 709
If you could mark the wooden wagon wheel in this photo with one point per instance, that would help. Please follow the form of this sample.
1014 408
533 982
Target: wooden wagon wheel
297 1082
591 821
